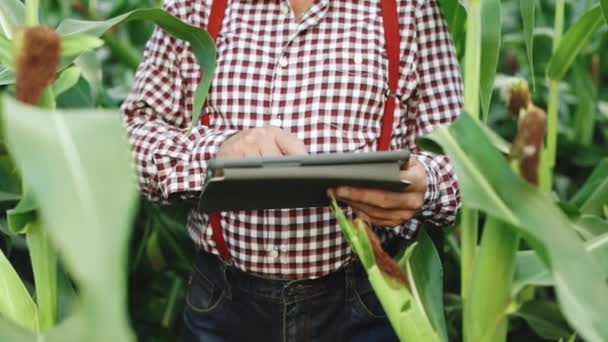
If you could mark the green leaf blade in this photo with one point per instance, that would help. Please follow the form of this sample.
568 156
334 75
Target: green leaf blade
12 15
528 8
491 26
15 301
573 42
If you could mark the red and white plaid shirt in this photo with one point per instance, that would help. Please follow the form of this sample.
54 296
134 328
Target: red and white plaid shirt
322 79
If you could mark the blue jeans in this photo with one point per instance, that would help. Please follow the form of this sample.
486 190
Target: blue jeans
225 304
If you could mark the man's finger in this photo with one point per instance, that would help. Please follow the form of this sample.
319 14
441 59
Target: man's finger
378 198
289 144
379 214
376 221
268 148
415 173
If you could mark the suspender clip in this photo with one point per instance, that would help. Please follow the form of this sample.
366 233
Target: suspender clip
390 93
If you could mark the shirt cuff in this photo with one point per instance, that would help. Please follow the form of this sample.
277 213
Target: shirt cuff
181 159
432 176
428 212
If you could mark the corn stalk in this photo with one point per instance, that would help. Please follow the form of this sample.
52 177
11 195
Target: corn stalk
549 156
469 230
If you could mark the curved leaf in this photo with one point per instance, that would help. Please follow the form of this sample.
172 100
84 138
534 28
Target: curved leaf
79 167
44 267
528 8
604 5
12 15
201 42
491 26
545 319
593 195
529 270
23 214
15 302
7 77
485 317
425 274
66 80
488 183
573 42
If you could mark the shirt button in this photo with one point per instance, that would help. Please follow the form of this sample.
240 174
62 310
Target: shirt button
285 10
283 62
273 254
358 60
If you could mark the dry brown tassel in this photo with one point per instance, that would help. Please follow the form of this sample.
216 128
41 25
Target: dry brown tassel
38 54
528 143
517 96
385 263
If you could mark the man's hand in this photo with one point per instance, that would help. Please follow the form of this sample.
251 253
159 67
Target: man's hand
387 208
266 141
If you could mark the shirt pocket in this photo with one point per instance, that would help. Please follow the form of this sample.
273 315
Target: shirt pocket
352 100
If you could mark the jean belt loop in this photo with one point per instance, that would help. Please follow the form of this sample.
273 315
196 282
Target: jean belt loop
225 269
349 280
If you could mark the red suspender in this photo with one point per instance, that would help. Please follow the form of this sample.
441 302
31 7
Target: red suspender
393 41
218 8
392 38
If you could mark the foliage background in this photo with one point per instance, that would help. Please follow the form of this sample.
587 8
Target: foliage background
161 252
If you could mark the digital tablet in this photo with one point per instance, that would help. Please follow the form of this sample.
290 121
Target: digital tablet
296 181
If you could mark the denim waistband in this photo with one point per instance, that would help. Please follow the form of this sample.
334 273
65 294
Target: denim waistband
227 276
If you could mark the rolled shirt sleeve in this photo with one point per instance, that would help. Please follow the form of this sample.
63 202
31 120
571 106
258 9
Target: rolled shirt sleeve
168 157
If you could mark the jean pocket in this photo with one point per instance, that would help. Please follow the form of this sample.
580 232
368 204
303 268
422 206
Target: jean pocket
203 295
366 302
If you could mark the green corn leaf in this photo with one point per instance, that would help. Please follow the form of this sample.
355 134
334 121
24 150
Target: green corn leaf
598 247
407 317
593 195
10 183
545 318
66 80
529 270
491 25
23 214
425 273
485 316
488 183
6 76
14 333
586 111
91 70
12 15
573 42
16 304
6 52
455 15
74 45
527 13
365 250
590 226
604 5
79 167
44 267
201 42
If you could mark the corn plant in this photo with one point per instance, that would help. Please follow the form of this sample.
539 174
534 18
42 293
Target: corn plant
78 195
